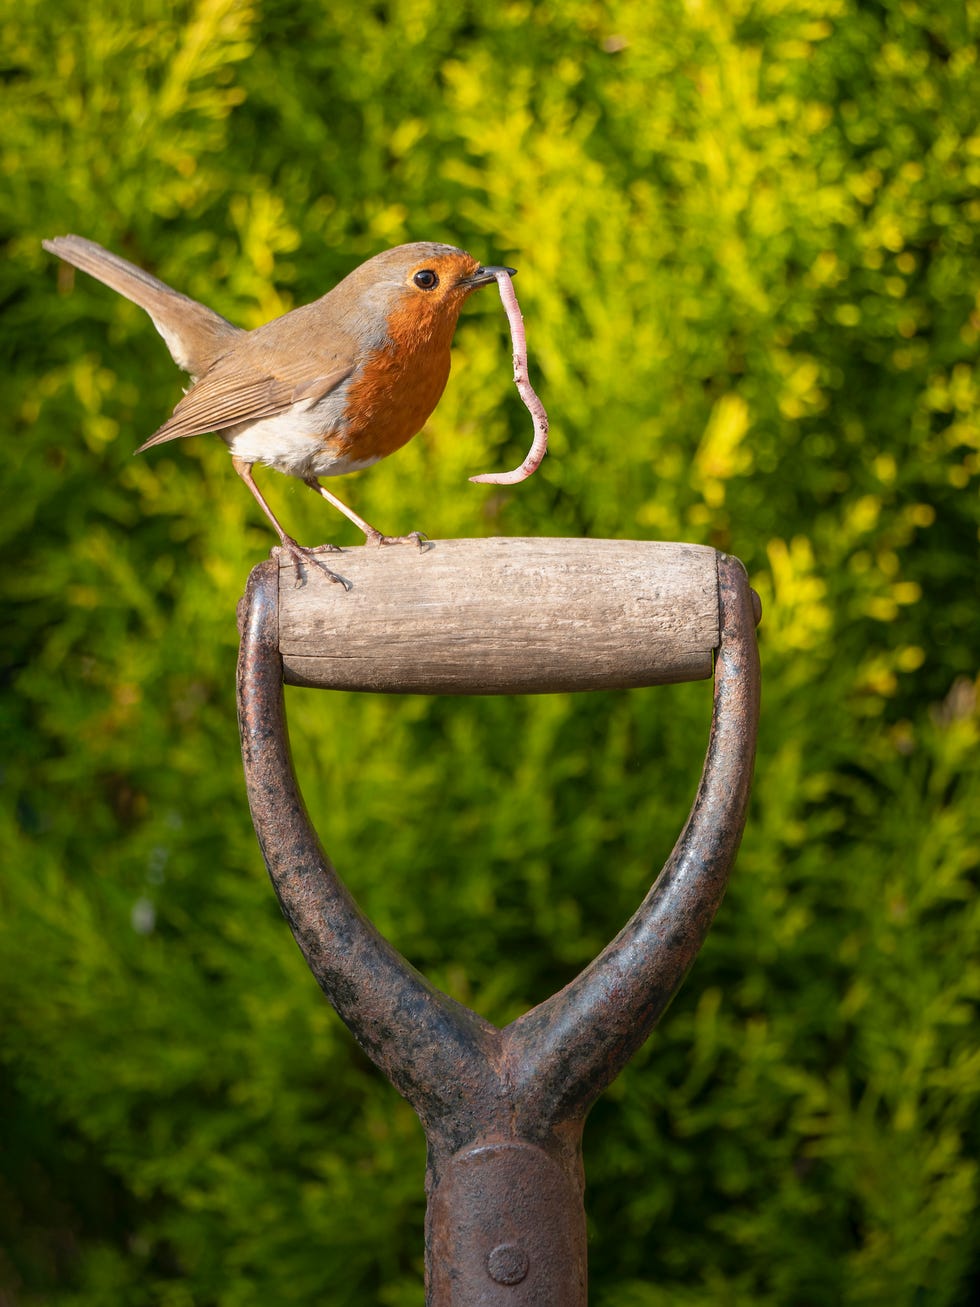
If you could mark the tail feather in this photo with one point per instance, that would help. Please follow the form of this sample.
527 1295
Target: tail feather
195 335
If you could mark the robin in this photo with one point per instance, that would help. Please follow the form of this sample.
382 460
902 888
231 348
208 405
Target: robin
326 389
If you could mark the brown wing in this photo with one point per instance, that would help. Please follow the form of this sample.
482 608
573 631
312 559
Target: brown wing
231 394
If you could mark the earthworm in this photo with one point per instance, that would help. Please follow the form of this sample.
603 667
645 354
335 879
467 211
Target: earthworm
539 445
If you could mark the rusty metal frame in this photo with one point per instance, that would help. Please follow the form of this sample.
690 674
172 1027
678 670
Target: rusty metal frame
503 1110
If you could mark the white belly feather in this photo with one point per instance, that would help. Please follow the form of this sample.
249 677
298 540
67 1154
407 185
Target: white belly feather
297 441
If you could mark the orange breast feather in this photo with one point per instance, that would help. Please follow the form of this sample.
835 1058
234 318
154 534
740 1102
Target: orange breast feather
399 385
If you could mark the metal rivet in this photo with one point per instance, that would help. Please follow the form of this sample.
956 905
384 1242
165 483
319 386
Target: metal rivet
507 1263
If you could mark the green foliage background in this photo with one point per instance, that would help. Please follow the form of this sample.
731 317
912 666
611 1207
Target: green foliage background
749 264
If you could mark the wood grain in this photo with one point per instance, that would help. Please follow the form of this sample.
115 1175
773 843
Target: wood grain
507 615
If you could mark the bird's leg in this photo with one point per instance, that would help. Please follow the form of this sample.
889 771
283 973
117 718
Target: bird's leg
300 554
373 536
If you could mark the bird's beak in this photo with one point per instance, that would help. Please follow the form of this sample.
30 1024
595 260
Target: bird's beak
484 275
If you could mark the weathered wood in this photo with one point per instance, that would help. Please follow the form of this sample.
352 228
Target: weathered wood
502 616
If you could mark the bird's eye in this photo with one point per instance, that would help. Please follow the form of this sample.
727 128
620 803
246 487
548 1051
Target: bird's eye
426 279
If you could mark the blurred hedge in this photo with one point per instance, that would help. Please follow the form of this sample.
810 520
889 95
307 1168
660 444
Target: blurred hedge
748 252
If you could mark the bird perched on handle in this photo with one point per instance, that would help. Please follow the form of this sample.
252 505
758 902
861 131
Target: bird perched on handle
326 389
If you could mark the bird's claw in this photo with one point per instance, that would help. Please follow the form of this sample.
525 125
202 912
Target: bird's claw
302 554
417 538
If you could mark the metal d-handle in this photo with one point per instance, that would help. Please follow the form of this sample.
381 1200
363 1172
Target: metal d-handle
503 1110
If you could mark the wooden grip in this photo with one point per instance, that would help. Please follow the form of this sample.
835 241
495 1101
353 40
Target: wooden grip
508 615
